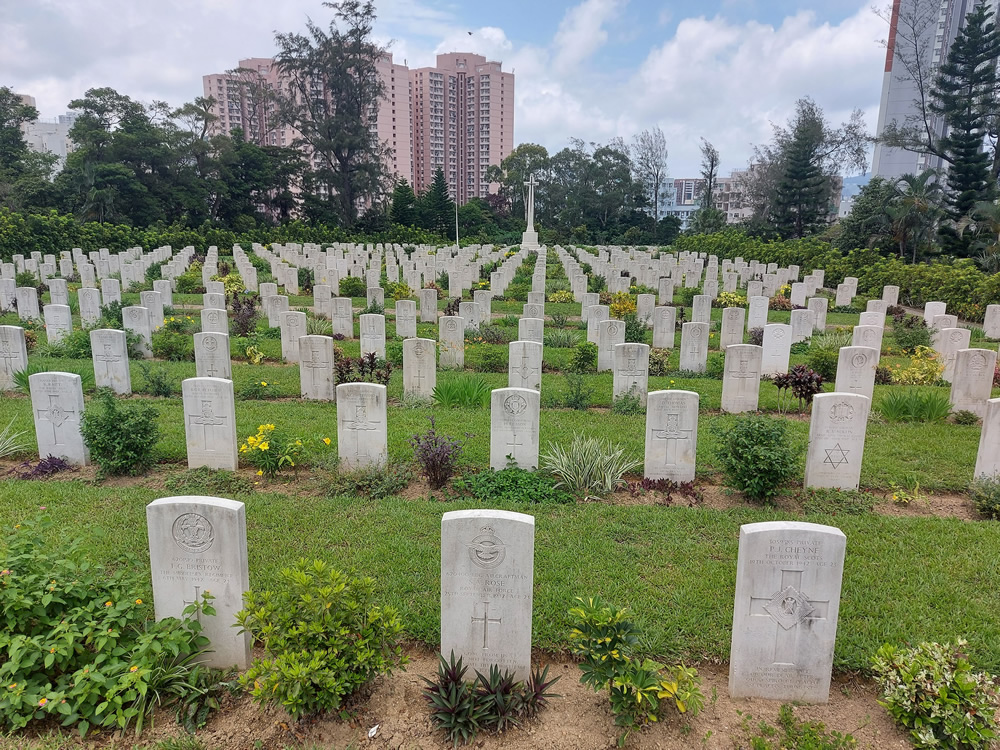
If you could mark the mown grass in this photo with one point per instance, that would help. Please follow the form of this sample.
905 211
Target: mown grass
905 579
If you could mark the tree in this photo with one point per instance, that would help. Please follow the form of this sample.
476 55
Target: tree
915 212
867 225
403 209
963 94
708 219
525 160
332 96
258 101
983 223
649 162
802 198
24 174
435 208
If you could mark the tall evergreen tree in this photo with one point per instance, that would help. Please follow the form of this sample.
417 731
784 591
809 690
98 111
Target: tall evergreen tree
964 92
435 208
403 209
801 199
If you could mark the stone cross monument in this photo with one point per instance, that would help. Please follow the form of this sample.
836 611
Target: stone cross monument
530 238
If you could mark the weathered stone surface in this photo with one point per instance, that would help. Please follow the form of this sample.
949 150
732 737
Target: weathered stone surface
419 367
694 347
972 382
777 346
741 378
988 457
361 425
373 334
664 327
671 435
57 406
631 371
210 423
514 427
609 333
406 318
837 440
13 355
732 327
524 365
109 351
451 334
136 320
316 379
292 326
856 370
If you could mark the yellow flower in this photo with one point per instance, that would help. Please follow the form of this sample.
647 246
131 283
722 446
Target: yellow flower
107 604
326 440
260 472
52 650
264 446
172 319
138 601
12 686
133 669
43 701
263 382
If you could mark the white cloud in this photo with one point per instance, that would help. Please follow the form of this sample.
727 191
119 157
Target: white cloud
581 33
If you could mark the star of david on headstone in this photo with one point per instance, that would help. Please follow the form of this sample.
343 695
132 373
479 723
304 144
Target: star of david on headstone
836 456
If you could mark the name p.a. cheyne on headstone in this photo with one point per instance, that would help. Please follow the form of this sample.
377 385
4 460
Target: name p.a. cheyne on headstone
197 546
788 580
487 577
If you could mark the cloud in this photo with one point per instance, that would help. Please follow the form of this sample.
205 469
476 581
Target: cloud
581 32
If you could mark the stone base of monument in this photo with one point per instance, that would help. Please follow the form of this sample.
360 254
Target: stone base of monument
529 239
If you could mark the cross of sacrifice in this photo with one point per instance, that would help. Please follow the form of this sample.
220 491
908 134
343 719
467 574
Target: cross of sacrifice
671 434
486 620
789 608
531 185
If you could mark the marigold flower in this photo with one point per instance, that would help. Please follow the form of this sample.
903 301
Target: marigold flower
326 440
138 601
107 604
260 472
133 668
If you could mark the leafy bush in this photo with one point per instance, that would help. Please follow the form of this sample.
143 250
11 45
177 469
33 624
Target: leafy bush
465 392
803 382
584 358
493 359
318 327
932 691
562 297
925 368
756 336
324 638
495 702
353 286
659 362
915 406
635 330
173 347
77 646
638 689
437 455
371 482
755 455
883 375
965 417
628 405
364 369
909 332
74 345
622 304
493 334
244 312
984 492
729 299
578 393
157 381
590 467
398 290
272 450
120 435
779 303
561 339
512 485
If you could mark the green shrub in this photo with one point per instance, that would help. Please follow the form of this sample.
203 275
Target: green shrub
466 392
800 735
755 456
932 691
74 345
584 358
492 359
324 638
985 494
353 286
120 435
965 417
77 646
659 362
912 405
157 381
511 485
561 339
578 392
373 482
628 405
206 481
635 330
590 467
824 361
909 332
173 347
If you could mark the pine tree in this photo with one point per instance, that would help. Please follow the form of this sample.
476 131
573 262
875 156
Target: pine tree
435 207
963 94
801 200
404 205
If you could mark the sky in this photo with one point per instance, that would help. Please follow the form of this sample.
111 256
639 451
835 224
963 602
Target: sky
723 70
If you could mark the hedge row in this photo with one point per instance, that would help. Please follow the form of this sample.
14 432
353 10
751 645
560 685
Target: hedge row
54 232
959 283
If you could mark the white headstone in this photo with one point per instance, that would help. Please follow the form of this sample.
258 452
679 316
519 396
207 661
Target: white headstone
111 291
837 440
856 370
90 306
694 347
788 582
27 303
214 320
972 383
428 305
701 309
644 307
136 320
58 322
991 323
361 425
741 378
210 423
198 545
109 351
57 405
406 318
609 333
531 329
316 368
631 371
802 325
949 342
757 312
871 319
487 578
373 334
514 427
292 326
451 334
932 309
870 336
419 367
664 327
342 317
524 365
818 306
671 435
732 327
211 356
13 355
988 457
595 314
777 346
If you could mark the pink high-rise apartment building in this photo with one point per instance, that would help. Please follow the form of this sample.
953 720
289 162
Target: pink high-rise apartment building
458 116
463 121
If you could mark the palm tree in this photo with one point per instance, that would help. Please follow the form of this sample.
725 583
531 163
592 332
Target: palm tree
916 210
984 222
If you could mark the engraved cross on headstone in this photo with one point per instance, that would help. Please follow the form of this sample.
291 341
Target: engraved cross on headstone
744 375
672 433
486 620
197 599
56 416
7 357
524 371
359 425
107 358
316 366
205 420
789 607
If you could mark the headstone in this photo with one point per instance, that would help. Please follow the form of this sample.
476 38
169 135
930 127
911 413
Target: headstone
90 306
154 303
451 334
610 333
890 296
732 327
342 318
136 320
13 355
644 308
524 365
406 318
58 293
316 379
211 355
375 295
671 435
109 351
665 291
741 378
871 319
870 336
757 313
58 322
856 370
532 310
701 309
514 428
694 347
361 425
292 326
27 303
484 298
988 457
428 305
876 306
471 314
798 295
837 440
198 545
802 325
111 291
587 300
818 306
631 371
845 295
931 309
972 382
57 406
214 320
274 306
373 334
213 300
595 314
664 327
788 582
210 423
487 579
166 291
949 342
755 289
991 323
777 346
419 367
